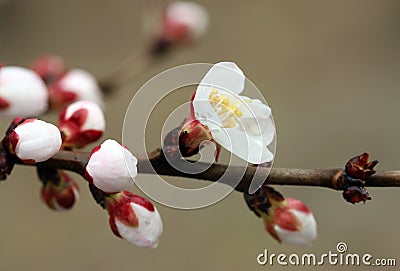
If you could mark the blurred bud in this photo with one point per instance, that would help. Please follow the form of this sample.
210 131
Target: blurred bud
49 68
287 220
184 22
22 93
60 192
33 140
73 86
134 219
111 167
81 123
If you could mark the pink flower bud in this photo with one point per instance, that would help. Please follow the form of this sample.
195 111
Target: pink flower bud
61 194
287 220
34 140
22 93
111 167
291 222
184 22
76 85
81 123
134 219
49 68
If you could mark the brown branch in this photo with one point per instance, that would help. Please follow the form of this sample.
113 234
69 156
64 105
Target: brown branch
154 163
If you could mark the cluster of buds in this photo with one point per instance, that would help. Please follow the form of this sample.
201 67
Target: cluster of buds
287 220
60 192
28 93
134 219
352 180
111 170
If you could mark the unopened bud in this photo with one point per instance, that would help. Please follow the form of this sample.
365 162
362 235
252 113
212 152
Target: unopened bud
134 219
81 123
111 167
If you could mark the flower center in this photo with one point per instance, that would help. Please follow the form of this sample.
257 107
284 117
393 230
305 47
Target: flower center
227 111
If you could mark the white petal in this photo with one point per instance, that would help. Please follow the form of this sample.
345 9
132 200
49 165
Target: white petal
257 120
112 167
149 230
95 118
226 76
253 108
38 140
305 236
250 149
83 84
25 92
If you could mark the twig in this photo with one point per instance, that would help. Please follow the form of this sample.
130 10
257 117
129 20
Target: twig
155 163
134 65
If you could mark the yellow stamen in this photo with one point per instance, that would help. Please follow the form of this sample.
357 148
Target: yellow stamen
229 112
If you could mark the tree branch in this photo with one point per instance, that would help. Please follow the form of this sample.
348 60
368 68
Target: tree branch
155 163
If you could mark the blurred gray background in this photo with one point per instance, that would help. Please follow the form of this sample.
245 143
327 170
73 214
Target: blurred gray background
329 70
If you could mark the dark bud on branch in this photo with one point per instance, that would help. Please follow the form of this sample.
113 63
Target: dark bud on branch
353 178
262 200
187 139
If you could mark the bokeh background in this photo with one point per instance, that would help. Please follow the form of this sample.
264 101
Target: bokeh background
329 70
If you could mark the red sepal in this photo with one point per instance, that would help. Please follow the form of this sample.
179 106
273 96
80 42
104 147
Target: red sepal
286 220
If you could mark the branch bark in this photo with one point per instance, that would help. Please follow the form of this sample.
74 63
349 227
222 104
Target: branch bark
155 163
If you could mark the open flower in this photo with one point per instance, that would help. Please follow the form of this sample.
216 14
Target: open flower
75 85
81 123
111 167
22 93
242 125
60 193
184 22
33 140
287 220
134 219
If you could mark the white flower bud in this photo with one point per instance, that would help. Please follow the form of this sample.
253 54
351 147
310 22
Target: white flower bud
111 167
184 21
81 123
76 85
293 223
22 93
134 219
35 140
